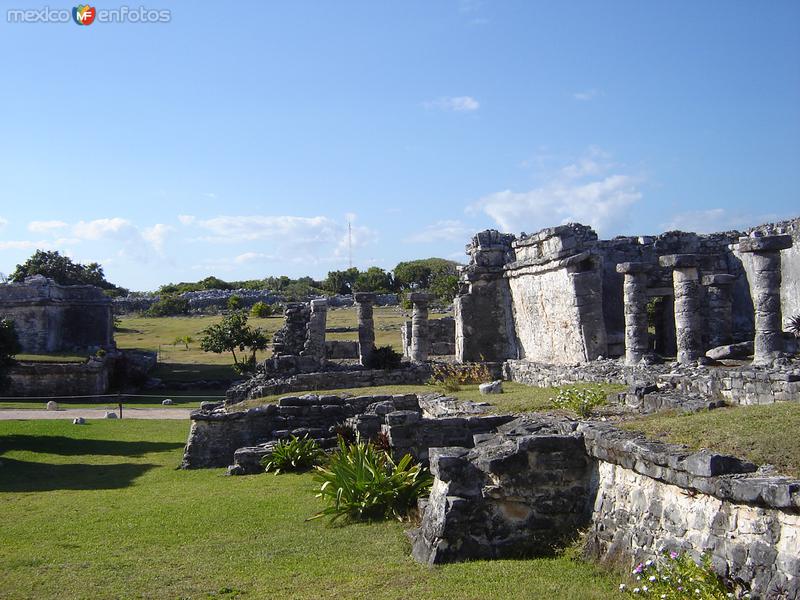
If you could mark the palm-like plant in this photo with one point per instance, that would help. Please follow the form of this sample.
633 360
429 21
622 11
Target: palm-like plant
794 325
294 454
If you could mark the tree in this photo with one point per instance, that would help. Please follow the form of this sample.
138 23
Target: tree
234 302
63 271
261 310
444 286
168 306
9 346
373 279
232 334
341 282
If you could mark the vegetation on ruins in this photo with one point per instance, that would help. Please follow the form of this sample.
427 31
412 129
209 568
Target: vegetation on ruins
363 483
232 334
168 305
676 576
234 302
295 454
384 357
63 271
794 325
580 400
449 378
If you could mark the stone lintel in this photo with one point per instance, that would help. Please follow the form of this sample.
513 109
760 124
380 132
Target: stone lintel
766 243
658 292
319 303
633 267
678 261
365 297
718 279
419 297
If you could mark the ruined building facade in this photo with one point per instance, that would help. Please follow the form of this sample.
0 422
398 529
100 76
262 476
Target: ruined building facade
563 296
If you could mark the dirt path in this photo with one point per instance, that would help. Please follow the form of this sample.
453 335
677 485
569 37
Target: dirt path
94 413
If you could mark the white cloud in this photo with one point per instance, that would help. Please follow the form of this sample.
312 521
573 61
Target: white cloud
442 231
100 229
249 257
586 95
586 191
46 226
715 219
157 234
186 219
454 103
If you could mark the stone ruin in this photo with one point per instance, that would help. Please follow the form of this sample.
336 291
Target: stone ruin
562 296
559 307
52 318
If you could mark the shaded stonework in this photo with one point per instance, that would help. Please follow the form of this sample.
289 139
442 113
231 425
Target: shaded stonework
442 334
52 318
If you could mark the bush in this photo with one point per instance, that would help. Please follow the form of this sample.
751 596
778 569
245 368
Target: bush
295 454
580 400
9 346
384 357
676 576
450 378
234 302
168 306
261 310
362 482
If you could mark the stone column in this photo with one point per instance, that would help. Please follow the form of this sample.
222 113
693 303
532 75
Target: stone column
688 319
719 302
635 298
765 289
315 332
366 326
420 333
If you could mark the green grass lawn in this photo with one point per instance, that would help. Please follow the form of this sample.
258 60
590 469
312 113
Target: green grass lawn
52 358
762 434
99 511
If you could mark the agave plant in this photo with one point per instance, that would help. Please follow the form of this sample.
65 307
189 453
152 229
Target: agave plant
794 325
294 454
363 482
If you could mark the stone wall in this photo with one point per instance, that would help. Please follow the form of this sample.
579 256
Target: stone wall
441 333
40 379
790 264
341 349
265 385
538 480
52 318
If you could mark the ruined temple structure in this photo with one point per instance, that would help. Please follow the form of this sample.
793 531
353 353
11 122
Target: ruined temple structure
53 318
563 296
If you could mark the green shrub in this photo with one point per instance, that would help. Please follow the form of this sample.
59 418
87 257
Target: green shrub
362 482
294 454
168 306
261 310
580 400
676 576
449 378
794 325
384 357
234 302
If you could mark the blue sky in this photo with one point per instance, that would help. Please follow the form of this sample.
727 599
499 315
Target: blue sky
239 138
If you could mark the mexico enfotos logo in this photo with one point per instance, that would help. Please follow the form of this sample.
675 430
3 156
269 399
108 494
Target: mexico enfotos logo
84 15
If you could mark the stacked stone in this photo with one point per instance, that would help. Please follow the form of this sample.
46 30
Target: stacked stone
315 330
366 325
766 293
420 332
635 296
688 318
720 304
291 338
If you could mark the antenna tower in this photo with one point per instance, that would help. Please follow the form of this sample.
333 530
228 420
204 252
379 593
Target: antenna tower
349 245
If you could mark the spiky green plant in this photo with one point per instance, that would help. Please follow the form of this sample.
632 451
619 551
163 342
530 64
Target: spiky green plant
581 400
363 482
794 325
294 454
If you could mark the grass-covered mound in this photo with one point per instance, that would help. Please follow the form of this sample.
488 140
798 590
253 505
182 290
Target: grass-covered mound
99 511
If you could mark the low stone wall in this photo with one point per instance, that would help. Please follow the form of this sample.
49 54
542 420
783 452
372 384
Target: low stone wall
441 333
33 379
539 479
258 387
216 435
341 349
736 385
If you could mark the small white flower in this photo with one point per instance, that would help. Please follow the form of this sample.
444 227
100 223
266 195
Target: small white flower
645 588
622 587
697 591
663 596
636 590
652 577
648 563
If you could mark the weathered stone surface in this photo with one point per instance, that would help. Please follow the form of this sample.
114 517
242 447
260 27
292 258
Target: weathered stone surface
731 351
637 342
441 333
166 402
58 379
366 326
79 421
52 405
314 344
494 387
766 243
420 337
678 261
110 415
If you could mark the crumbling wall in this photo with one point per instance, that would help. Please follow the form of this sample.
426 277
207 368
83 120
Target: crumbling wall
442 336
40 379
482 309
52 318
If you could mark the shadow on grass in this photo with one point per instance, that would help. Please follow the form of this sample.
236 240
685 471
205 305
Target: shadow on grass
67 446
24 476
